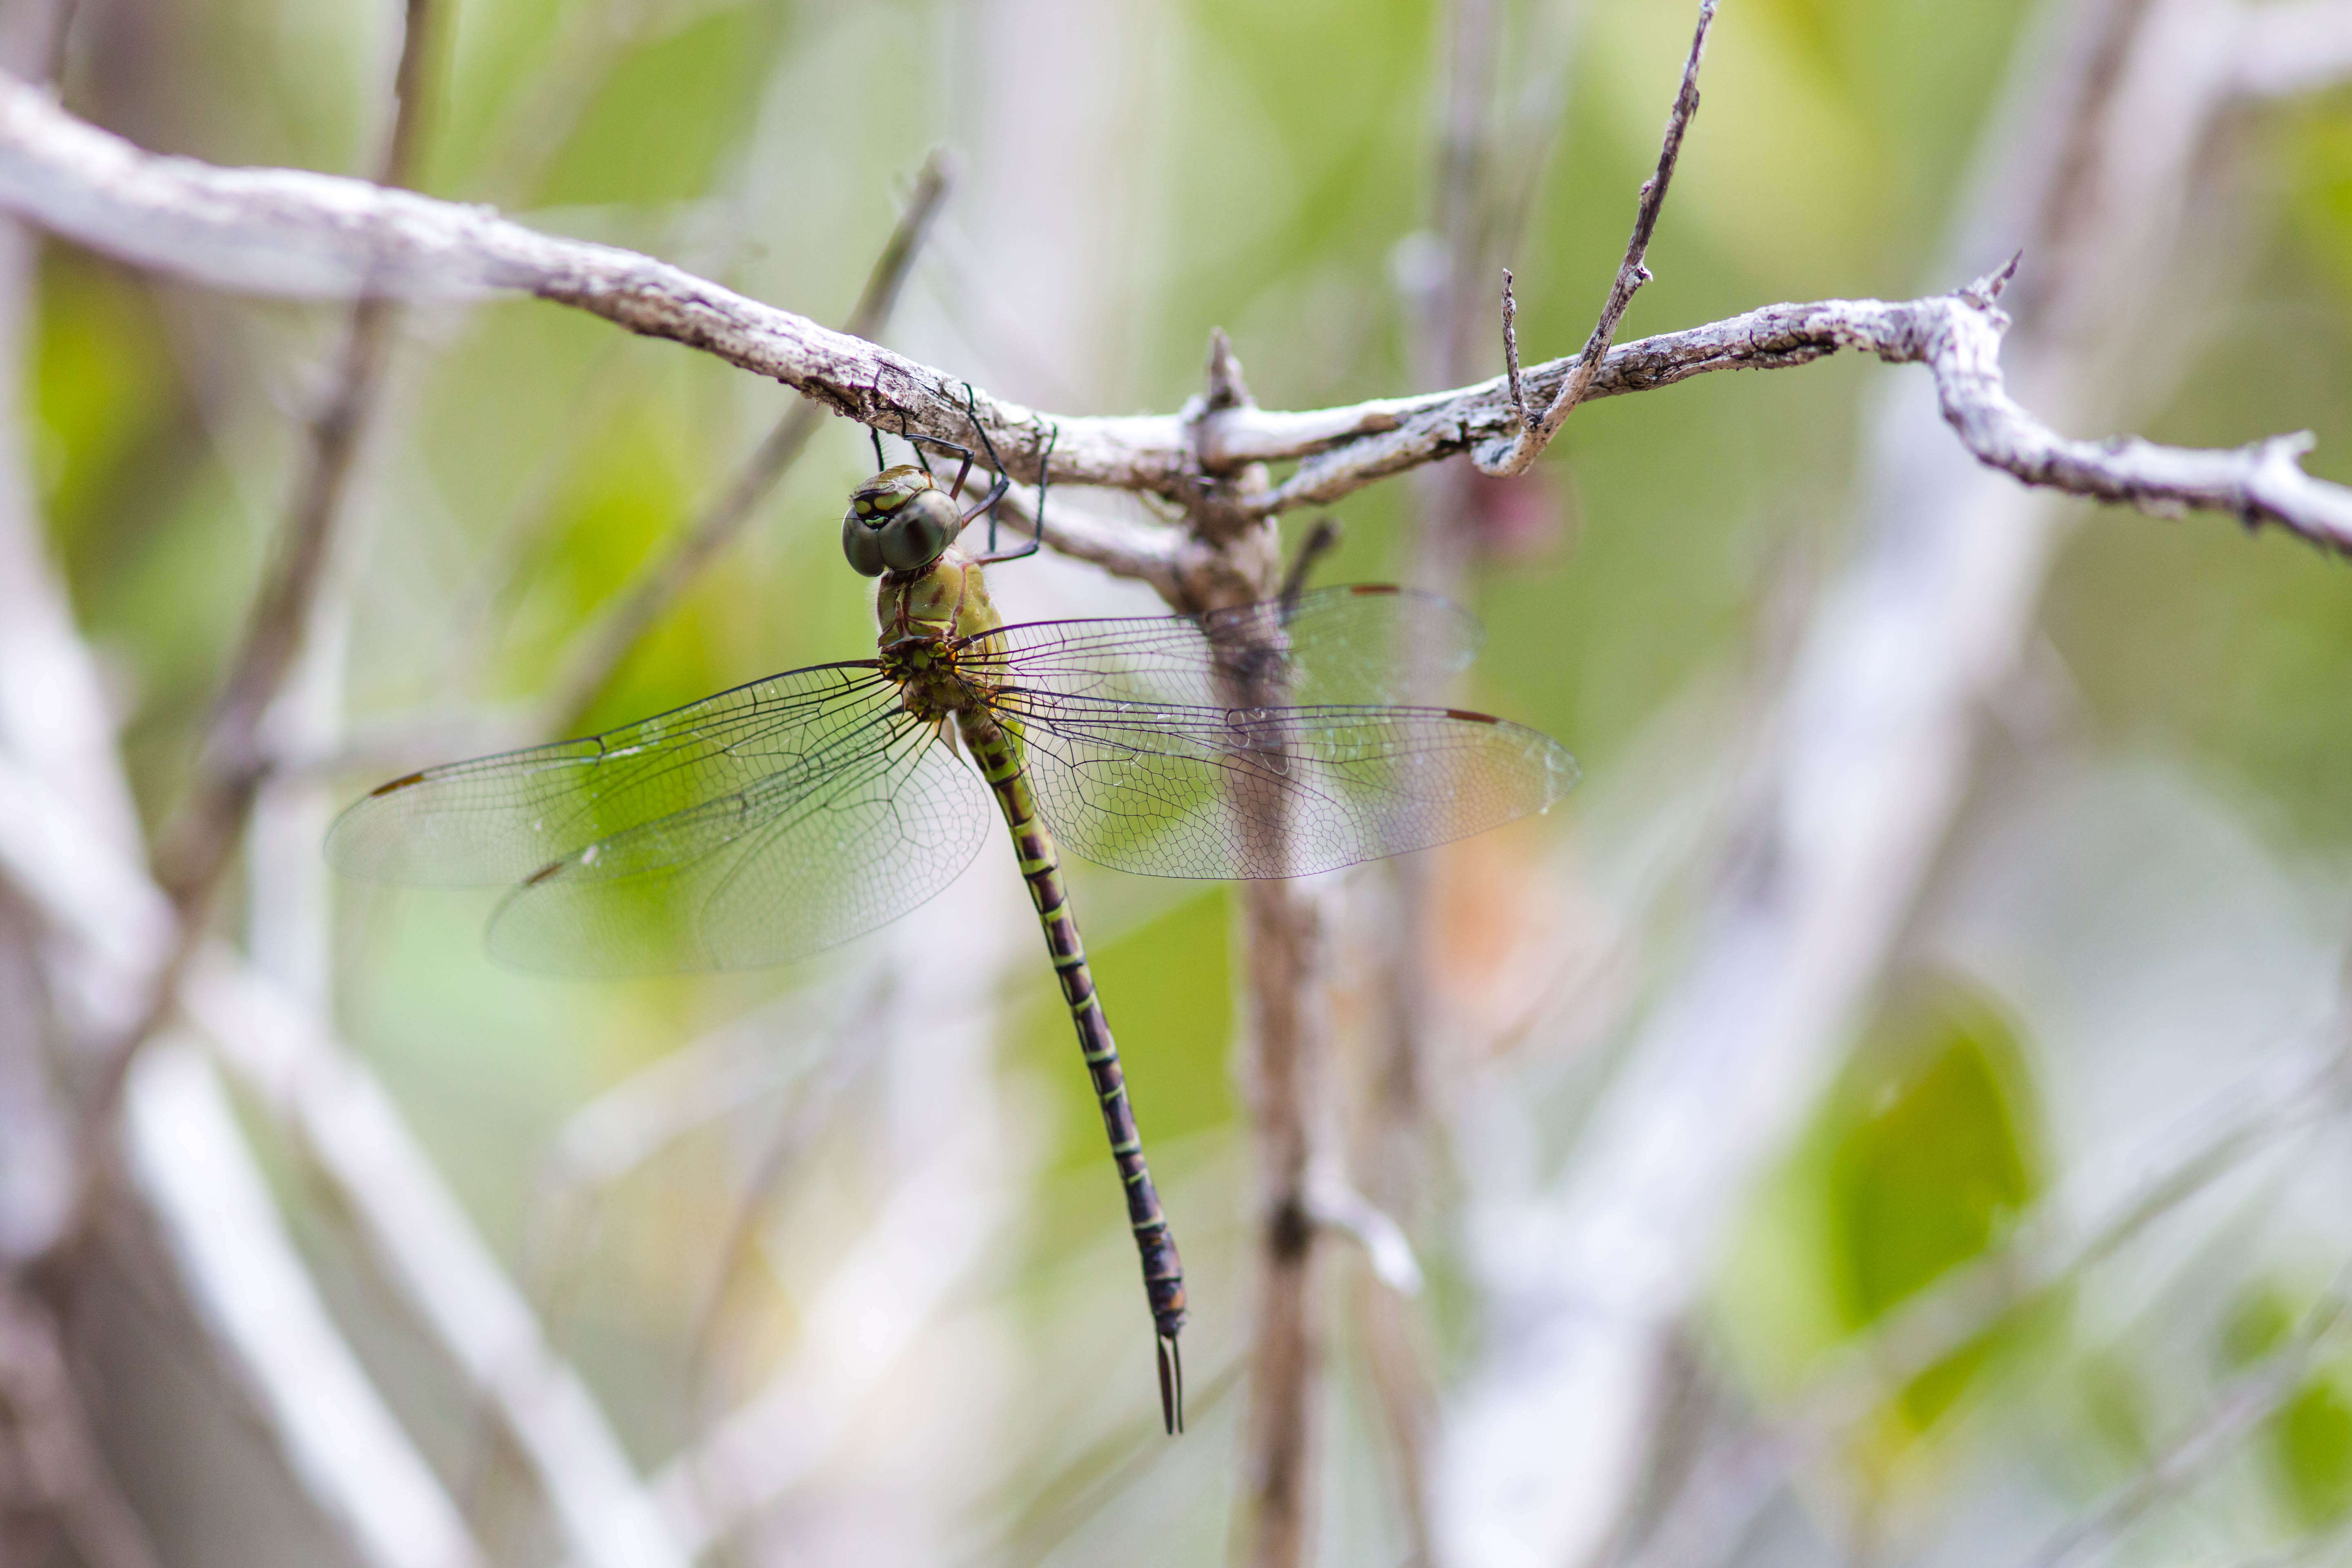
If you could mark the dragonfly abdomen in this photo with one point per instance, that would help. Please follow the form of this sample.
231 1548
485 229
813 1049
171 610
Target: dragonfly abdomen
998 756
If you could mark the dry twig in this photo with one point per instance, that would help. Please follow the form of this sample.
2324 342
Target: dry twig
1534 436
189 1161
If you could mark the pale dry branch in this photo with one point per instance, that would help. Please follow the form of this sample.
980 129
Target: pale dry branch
291 232
303 235
341 1115
1288 1048
432 1254
83 887
189 1162
1528 442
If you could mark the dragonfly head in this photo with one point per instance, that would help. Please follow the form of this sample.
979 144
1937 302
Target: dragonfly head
898 520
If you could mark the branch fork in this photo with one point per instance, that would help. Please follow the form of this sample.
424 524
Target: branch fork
1533 435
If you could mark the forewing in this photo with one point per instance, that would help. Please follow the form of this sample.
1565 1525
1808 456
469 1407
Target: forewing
1365 644
795 862
1172 790
499 820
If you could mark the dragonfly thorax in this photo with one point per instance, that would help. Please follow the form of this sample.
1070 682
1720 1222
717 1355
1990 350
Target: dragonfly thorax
925 617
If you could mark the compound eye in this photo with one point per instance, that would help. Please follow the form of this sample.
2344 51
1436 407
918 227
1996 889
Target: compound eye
863 545
920 532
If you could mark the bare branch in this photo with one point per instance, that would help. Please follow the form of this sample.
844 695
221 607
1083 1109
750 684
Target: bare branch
1511 355
288 231
1530 442
1288 1044
1334 1205
598 653
295 233
339 1111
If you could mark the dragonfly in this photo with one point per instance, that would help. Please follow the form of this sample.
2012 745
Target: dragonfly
1265 739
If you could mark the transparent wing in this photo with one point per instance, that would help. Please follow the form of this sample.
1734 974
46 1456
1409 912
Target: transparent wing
498 820
1173 791
751 827
1368 644
790 865
1260 741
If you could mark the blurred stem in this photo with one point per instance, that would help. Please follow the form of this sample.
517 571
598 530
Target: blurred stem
50 1462
600 650
193 855
1391 1153
1288 1046
54 1456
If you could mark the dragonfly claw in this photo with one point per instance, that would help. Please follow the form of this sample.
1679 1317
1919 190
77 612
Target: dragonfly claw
1172 1384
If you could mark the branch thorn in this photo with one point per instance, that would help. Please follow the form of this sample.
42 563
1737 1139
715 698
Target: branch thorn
1226 387
1511 352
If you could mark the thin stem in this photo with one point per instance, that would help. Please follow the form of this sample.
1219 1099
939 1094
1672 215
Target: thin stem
1631 273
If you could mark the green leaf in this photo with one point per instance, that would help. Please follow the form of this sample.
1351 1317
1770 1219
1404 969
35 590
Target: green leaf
1933 1154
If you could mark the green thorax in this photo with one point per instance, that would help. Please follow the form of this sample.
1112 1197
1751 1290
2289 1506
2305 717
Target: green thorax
925 616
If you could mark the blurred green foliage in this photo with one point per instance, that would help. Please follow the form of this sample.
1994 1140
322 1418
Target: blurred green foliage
2307 1443
1919 1159
668 112
1934 1150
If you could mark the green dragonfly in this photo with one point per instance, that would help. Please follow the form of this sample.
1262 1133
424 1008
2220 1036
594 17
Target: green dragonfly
783 816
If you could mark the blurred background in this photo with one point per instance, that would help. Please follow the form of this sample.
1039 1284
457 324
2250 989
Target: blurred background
1891 1114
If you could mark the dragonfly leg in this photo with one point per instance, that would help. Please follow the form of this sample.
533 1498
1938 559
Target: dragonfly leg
879 464
987 503
1037 537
